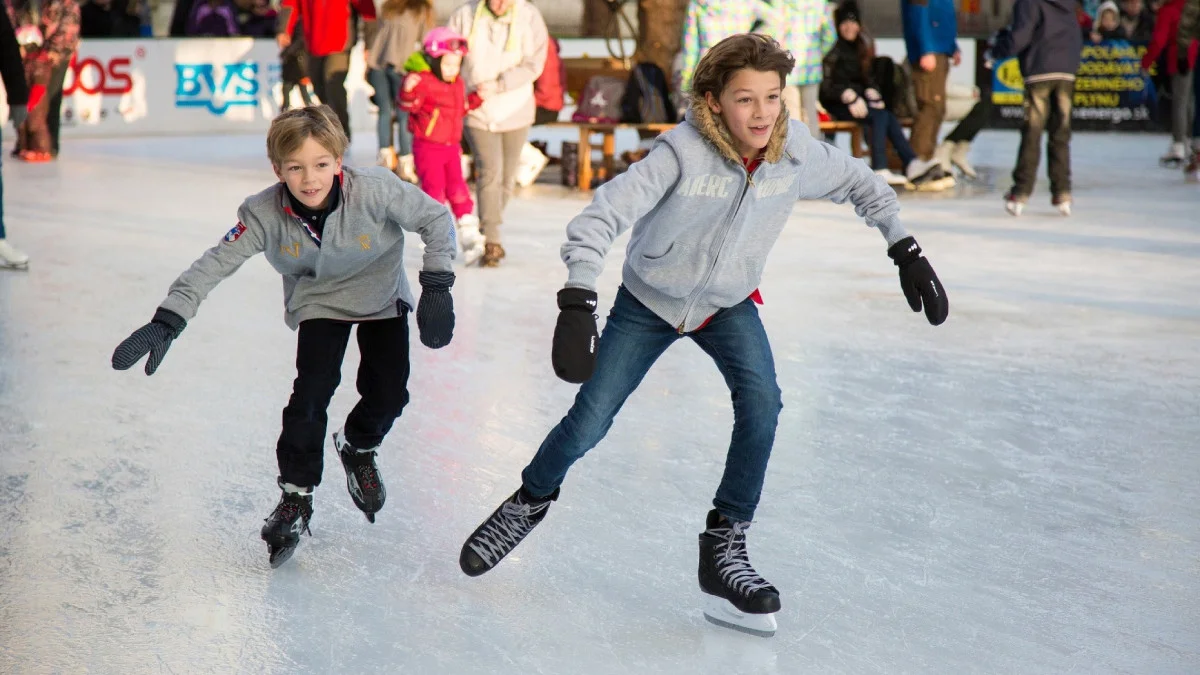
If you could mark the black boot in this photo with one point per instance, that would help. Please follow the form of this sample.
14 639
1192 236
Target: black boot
726 574
287 522
503 530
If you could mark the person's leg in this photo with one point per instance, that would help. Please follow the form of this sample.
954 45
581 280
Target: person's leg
1058 145
511 143
737 342
428 159
316 75
791 99
378 80
633 339
876 123
487 151
404 137
54 114
320 346
895 134
336 67
382 380
970 126
457 192
37 129
808 106
1037 113
930 89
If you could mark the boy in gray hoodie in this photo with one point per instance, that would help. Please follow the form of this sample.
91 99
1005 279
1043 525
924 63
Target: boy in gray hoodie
336 235
706 205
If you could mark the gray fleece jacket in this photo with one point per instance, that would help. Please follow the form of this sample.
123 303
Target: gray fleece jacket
357 271
702 227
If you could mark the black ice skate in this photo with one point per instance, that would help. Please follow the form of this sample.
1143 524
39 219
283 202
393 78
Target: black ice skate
736 596
502 531
362 476
287 522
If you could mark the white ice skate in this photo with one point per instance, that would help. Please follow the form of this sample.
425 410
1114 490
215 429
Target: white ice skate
470 238
407 169
531 164
1063 204
1013 204
11 258
894 179
387 157
1175 157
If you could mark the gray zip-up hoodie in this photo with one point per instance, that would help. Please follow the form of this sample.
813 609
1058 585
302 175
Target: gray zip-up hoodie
702 228
357 271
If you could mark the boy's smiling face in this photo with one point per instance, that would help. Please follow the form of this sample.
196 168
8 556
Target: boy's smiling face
309 173
750 104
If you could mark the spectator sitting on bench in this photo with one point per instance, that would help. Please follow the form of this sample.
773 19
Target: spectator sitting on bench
848 92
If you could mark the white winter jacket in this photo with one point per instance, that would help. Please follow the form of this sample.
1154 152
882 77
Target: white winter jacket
509 50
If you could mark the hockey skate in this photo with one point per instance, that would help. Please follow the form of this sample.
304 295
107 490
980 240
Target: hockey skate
1175 157
502 531
927 176
735 595
362 476
470 238
287 522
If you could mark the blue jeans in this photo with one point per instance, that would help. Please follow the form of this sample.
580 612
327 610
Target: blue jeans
633 339
387 88
884 127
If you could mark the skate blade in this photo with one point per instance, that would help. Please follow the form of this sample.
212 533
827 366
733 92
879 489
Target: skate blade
721 612
280 554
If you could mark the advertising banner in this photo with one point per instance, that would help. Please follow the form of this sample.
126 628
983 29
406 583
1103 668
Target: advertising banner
184 86
1111 91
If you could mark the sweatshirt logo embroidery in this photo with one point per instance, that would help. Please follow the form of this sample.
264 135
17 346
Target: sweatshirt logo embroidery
293 250
236 232
364 241
773 187
705 185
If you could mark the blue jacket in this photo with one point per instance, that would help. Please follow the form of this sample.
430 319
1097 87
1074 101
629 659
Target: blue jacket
1045 37
930 27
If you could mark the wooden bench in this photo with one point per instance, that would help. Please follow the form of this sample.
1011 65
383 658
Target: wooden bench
608 147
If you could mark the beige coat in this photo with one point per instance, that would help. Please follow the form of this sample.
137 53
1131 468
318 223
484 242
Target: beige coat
508 50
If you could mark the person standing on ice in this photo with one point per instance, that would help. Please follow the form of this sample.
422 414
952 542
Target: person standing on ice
13 73
435 101
336 235
706 205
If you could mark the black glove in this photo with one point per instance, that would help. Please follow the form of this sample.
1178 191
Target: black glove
575 336
435 311
918 281
154 338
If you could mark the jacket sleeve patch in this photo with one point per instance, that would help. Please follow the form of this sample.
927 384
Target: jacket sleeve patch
236 232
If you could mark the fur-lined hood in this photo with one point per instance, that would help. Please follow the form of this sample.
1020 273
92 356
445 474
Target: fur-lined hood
713 129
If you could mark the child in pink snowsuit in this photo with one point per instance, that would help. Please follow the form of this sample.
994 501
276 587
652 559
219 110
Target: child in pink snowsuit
437 101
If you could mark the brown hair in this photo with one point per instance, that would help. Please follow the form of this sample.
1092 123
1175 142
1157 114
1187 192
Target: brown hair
422 8
737 52
290 129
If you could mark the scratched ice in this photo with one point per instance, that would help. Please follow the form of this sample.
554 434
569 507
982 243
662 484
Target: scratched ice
1014 492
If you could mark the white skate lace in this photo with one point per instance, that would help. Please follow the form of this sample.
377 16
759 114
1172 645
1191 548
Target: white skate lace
506 529
733 561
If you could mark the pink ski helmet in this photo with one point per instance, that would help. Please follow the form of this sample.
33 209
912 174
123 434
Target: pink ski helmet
442 40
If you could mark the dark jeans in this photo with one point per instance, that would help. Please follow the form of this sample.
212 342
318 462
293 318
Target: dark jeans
54 115
1047 108
633 339
382 385
328 75
386 83
884 127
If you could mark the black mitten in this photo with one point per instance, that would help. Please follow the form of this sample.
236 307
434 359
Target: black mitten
575 335
435 310
154 338
919 282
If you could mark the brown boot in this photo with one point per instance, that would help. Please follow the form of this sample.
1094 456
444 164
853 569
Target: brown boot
492 255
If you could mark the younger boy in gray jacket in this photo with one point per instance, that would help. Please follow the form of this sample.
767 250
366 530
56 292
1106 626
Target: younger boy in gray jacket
336 234
706 205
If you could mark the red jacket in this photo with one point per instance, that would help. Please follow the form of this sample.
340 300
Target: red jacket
548 88
1165 29
436 108
326 22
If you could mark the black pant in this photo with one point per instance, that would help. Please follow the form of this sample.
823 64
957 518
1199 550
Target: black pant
382 384
1047 108
54 114
328 75
969 127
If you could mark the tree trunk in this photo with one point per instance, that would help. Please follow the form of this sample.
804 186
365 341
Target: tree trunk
595 16
660 32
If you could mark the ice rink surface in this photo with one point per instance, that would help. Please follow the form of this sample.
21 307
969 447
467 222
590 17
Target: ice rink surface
1017 491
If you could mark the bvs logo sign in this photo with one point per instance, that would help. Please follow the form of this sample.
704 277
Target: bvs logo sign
207 85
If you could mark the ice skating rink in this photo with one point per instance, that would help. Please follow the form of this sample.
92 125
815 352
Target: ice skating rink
1017 491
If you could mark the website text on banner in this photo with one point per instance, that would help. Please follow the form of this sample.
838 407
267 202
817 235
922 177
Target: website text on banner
1111 92
189 86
